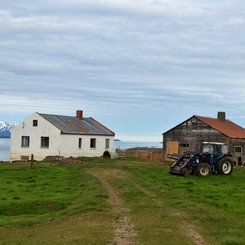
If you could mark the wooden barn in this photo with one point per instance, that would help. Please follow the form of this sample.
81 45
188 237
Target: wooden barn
190 135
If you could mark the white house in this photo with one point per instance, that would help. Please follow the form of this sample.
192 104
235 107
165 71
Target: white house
54 135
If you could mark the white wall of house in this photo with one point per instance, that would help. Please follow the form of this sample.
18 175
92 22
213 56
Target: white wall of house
69 145
59 144
43 129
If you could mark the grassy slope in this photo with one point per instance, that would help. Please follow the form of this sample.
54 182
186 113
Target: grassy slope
161 204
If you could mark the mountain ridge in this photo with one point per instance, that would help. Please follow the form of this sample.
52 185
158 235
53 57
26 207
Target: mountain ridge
5 129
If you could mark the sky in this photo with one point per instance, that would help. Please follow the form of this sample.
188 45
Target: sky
138 66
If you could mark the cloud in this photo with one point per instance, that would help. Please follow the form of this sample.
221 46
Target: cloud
151 61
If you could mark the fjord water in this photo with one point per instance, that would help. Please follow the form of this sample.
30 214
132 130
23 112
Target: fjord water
4 149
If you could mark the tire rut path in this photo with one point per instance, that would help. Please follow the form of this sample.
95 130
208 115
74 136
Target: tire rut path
124 230
124 233
189 229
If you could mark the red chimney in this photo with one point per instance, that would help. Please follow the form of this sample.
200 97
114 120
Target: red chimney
79 115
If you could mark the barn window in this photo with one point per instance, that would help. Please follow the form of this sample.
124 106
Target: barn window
194 123
92 143
238 149
184 145
107 143
45 142
25 141
35 123
80 143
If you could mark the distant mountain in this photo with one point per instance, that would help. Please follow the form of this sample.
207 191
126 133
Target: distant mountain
5 129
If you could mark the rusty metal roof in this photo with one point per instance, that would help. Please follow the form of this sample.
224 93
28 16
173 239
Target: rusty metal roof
226 127
74 125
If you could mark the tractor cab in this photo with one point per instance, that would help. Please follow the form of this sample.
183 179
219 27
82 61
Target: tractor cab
214 147
214 150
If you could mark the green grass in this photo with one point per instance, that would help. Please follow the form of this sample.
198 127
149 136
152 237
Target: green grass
214 204
28 195
70 206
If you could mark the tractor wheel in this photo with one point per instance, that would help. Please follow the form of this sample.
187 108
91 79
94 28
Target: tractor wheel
225 166
203 170
185 172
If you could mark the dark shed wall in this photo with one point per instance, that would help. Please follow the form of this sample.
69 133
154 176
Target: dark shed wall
191 133
238 157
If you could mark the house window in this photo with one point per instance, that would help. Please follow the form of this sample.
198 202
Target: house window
238 149
93 143
45 142
24 158
184 145
80 143
25 141
35 123
107 143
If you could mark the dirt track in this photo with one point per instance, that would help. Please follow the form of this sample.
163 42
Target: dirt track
124 229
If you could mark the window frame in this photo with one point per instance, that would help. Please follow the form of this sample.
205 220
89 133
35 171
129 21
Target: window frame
35 123
24 143
43 144
92 143
80 143
236 147
107 143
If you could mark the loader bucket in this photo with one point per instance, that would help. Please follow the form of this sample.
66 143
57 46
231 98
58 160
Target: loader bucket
177 170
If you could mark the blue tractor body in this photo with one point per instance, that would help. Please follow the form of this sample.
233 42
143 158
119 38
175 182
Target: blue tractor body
202 163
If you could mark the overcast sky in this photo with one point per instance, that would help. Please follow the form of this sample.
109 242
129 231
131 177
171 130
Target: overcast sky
138 66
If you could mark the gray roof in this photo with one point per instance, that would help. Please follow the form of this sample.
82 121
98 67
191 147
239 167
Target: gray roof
74 125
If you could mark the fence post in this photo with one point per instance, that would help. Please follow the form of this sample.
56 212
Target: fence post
32 160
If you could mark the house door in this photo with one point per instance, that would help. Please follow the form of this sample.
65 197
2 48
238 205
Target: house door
238 154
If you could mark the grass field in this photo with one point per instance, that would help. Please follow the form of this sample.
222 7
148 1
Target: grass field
104 202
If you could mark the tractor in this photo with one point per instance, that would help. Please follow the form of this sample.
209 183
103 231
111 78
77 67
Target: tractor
210 160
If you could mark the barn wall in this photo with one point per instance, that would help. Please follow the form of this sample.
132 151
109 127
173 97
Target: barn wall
237 149
192 133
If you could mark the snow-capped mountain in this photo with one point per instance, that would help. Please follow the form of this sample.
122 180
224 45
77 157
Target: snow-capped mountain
5 129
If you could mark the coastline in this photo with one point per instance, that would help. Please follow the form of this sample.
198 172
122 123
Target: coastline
118 145
123 145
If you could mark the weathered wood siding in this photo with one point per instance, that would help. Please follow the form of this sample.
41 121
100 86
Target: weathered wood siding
238 157
193 132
